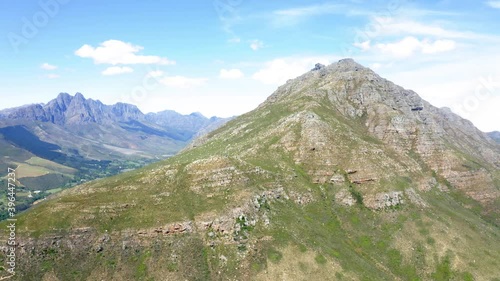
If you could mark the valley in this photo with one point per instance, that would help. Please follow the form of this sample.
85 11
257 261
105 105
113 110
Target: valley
334 176
72 140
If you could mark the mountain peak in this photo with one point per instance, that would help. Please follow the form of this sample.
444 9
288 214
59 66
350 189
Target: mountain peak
343 64
197 114
339 164
347 64
63 95
79 96
347 61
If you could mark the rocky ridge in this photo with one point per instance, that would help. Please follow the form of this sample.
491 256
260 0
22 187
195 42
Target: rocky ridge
339 163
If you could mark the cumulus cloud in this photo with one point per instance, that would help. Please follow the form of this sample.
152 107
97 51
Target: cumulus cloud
411 45
256 45
48 66
277 71
115 70
182 81
118 52
391 26
230 73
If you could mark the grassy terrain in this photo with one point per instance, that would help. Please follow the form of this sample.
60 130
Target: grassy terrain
254 200
47 177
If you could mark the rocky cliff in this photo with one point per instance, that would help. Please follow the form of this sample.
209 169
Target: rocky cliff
339 174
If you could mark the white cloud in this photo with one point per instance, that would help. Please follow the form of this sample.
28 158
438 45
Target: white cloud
52 76
411 45
493 4
312 10
294 16
256 45
155 73
438 46
48 66
403 48
390 26
115 70
230 73
364 46
118 52
278 71
182 81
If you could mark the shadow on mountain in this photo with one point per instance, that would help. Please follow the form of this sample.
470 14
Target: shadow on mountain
21 137
45 182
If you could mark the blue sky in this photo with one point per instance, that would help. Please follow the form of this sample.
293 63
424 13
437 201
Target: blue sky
224 57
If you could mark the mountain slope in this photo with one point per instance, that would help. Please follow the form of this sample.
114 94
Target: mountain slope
88 138
340 174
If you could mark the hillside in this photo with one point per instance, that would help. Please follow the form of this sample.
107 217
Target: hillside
338 175
72 139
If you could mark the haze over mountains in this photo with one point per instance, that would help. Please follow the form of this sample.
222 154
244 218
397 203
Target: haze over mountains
67 111
495 135
71 139
338 175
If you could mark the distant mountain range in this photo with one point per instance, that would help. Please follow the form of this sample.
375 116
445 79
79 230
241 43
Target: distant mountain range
495 135
72 139
339 175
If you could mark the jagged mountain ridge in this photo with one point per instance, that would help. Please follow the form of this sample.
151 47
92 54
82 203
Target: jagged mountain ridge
70 110
66 109
90 118
72 139
340 174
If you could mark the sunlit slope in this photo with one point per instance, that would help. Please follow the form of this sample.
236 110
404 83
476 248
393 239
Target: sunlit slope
339 175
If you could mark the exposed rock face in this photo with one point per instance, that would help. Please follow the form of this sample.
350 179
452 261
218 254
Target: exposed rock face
434 143
399 118
318 66
385 200
338 159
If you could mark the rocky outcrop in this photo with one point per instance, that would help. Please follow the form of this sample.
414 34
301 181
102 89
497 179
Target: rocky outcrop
338 136
384 200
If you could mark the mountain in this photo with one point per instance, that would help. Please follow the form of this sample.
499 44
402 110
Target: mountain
338 175
495 136
73 139
194 124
